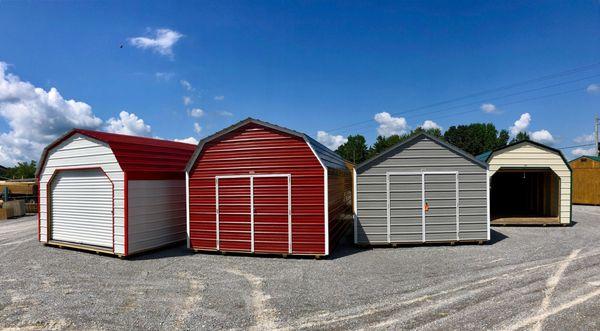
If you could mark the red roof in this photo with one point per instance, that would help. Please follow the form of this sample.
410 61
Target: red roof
138 156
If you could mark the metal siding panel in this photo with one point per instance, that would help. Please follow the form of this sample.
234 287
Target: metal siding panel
82 208
340 204
271 214
156 213
254 149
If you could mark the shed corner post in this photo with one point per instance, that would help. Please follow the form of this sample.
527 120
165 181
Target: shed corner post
39 210
187 208
125 214
354 205
487 192
326 207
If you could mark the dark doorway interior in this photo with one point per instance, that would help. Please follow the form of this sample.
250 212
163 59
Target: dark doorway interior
525 196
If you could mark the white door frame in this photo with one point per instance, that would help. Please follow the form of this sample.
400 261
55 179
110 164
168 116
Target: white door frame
423 200
251 177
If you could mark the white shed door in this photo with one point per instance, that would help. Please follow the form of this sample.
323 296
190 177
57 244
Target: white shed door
82 208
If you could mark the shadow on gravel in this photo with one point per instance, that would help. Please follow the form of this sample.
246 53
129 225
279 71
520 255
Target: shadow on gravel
496 237
163 253
346 247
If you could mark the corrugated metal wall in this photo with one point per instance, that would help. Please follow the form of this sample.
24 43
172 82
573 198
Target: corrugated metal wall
255 149
340 204
527 155
406 199
82 208
79 151
156 213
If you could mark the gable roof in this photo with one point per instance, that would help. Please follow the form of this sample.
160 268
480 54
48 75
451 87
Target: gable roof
591 157
408 141
488 154
134 154
326 156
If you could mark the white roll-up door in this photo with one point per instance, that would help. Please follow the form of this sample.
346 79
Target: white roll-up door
82 208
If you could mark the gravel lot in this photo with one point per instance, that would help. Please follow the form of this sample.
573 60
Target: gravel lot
526 278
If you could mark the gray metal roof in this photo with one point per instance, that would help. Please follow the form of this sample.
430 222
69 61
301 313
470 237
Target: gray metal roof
406 142
328 157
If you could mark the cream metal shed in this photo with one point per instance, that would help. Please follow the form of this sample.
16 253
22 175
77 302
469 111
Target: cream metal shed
530 184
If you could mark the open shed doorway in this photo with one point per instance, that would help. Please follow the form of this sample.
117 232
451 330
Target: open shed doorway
525 196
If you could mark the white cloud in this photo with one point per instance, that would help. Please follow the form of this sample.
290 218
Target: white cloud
197 127
389 125
542 136
331 141
187 101
188 140
225 113
583 151
36 117
196 112
489 108
584 139
593 89
429 124
162 42
186 85
128 124
165 76
220 97
521 124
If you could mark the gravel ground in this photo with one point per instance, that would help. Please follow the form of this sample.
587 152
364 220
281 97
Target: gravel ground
526 278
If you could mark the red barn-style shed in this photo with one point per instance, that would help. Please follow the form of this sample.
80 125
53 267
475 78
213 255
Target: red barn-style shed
256 187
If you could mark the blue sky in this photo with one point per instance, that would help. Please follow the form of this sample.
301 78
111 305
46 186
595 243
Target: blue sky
311 66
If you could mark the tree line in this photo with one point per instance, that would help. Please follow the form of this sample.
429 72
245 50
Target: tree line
474 138
22 170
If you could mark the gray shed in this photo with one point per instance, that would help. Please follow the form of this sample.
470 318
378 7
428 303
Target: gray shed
421 190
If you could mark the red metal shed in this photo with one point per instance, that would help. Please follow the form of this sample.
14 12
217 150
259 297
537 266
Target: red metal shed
260 188
112 193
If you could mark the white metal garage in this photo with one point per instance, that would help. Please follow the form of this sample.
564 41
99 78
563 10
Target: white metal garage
112 193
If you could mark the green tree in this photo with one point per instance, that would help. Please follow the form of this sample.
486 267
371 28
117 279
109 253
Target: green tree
432 132
21 170
476 138
354 150
519 137
502 140
382 143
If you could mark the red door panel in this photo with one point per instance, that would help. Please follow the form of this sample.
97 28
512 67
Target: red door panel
234 214
271 214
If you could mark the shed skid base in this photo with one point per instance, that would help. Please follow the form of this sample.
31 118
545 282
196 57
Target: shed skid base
420 243
543 221
274 254
89 248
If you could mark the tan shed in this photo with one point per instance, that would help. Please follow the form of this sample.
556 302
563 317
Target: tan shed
530 183
586 180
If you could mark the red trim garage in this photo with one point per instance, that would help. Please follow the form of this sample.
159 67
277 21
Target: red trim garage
259 188
112 193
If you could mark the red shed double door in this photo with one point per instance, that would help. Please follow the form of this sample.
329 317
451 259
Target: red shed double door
254 213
